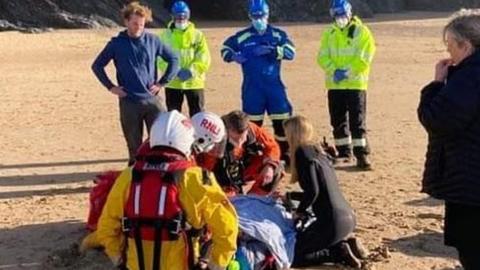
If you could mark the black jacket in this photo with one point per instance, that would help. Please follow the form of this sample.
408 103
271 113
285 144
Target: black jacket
450 113
319 183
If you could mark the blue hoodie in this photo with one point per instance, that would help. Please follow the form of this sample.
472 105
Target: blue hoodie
135 63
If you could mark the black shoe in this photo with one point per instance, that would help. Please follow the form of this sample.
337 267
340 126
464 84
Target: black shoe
357 247
346 256
310 259
363 163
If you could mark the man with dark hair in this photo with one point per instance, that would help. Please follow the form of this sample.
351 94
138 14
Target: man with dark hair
236 121
251 162
134 53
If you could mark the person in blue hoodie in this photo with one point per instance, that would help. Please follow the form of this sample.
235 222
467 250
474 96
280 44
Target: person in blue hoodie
260 49
134 53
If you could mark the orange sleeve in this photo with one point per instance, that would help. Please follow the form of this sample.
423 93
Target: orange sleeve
271 147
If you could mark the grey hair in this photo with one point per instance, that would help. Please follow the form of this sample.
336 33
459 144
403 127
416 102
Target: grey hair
465 26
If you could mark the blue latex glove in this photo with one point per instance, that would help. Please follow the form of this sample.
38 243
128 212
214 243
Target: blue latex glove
263 50
239 58
340 75
184 74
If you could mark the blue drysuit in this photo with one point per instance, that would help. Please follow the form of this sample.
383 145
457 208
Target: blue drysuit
262 88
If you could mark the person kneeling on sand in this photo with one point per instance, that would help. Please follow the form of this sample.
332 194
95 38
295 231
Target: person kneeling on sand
330 237
143 221
251 160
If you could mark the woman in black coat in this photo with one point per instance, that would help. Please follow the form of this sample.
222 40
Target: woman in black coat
330 237
449 110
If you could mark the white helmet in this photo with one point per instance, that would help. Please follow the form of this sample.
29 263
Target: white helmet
209 131
174 130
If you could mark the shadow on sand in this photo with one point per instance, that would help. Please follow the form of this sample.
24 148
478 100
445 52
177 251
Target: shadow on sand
426 244
427 201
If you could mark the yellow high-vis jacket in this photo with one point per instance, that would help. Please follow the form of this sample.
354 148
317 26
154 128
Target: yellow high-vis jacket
351 48
202 203
191 46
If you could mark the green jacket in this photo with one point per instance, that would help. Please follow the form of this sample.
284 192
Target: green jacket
192 48
351 48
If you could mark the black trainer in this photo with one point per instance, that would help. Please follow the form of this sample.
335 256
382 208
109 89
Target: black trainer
342 253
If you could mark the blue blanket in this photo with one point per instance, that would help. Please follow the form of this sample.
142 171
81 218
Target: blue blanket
263 219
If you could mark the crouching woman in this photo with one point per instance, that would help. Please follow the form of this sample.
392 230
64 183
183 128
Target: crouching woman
330 237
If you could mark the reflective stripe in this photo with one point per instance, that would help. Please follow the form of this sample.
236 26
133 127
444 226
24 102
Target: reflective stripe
225 50
161 202
290 47
280 138
336 55
225 47
201 56
367 57
279 116
276 34
279 53
345 51
136 200
243 37
224 53
343 141
324 52
359 142
257 117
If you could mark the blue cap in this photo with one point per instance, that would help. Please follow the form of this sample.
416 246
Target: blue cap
180 9
258 8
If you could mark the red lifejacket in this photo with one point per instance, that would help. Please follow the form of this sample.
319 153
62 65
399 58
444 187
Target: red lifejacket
98 196
153 195
153 211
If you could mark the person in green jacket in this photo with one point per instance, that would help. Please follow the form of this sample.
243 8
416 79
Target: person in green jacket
191 45
346 52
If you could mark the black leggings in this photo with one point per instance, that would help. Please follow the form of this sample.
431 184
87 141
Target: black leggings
323 234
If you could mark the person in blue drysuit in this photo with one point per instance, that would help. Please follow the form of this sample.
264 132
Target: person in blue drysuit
260 49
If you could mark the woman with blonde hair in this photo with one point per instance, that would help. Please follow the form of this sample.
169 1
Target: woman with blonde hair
330 237
449 110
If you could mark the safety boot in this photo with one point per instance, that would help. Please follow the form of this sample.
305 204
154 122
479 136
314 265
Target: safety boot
363 163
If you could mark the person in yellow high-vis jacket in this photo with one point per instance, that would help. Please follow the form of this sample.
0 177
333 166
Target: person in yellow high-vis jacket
201 199
346 52
191 46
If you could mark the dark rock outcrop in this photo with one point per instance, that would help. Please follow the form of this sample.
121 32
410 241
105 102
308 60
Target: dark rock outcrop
391 6
441 5
35 15
26 14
